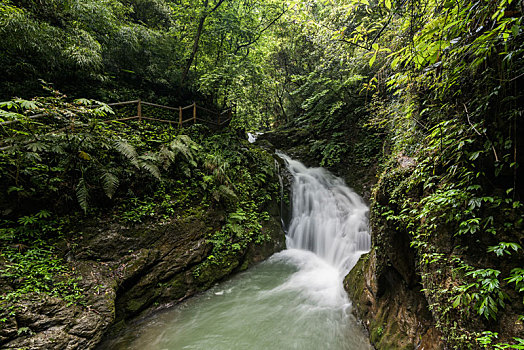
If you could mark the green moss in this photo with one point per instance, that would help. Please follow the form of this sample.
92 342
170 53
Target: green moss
355 282
134 305
376 333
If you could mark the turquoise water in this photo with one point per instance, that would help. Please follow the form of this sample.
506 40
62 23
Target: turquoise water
294 300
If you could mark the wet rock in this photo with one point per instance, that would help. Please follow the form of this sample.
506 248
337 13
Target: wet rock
124 271
398 317
384 286
44 322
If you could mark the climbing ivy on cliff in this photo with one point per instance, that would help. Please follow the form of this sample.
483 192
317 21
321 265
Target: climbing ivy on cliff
452 85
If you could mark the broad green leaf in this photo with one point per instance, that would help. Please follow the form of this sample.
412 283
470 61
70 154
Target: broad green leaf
372 60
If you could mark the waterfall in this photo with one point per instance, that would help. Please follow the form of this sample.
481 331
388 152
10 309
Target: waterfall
328 218
253 137
293 300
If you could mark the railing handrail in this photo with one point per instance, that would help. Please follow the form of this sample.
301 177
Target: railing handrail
139 116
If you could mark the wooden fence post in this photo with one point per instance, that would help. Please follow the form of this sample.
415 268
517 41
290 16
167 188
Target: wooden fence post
194 112
139 109
179 117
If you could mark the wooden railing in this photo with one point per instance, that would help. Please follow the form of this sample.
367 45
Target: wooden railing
221 118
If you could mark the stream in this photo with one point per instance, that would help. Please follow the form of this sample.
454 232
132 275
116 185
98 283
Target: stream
293 300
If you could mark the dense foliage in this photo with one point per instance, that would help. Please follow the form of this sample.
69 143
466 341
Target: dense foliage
456 108
71 166
442 81
447 82
172 51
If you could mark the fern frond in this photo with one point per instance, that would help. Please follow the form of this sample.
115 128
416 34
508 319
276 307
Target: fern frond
82 194
185 146
212 161
180 148
110 183
227 193
127 151
151 168
166 156
188 141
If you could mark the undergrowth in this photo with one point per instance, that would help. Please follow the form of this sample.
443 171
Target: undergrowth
73 166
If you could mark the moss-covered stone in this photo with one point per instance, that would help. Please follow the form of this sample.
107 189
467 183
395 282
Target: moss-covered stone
384 286
398 318
129 268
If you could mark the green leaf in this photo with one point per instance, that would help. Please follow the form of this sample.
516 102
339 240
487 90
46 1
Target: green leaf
43 214
14 189
127 151
151 168
372 60
474 155
8 104
84 155
25 104
456 301
82 194
110 183
83 101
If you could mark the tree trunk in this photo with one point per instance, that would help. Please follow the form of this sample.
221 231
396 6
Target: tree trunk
199 31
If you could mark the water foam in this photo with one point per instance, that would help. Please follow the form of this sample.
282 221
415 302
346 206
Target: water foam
328 218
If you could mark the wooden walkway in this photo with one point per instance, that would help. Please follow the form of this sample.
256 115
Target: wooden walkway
217 119
220 118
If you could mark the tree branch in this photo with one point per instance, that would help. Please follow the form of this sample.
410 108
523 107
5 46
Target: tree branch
478 133
354 44
261 32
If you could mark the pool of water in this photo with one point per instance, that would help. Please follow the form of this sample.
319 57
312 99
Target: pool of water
294 300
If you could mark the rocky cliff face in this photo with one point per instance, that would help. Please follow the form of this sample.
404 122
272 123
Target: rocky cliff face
384 285
395 314
409 289
128 269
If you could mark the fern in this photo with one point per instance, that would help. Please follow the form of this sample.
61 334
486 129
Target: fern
181 145
185 146
225 193
218 167
166 156
82 194
127 151
110 183
150 168
146 161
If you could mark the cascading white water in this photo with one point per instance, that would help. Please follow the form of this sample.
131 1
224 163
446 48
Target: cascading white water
253 137
294 300
328 218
